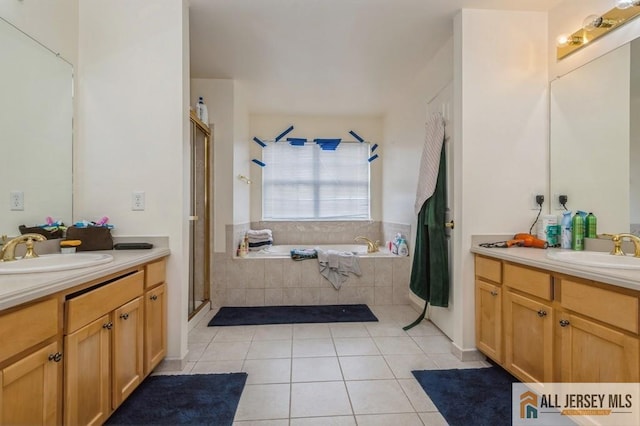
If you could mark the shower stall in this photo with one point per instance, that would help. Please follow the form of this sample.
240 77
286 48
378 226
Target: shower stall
200 216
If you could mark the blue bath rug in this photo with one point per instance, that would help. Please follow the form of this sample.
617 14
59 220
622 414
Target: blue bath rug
470 397
197 399
259 315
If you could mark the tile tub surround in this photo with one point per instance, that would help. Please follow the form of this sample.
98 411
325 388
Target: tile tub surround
273 282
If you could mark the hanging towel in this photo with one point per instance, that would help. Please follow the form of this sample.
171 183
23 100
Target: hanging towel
430 271
428 173
335 266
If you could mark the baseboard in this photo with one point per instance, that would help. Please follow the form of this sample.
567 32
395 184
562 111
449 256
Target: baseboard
467 354
172 364
197 317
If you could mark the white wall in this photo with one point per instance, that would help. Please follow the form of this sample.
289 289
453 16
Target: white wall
241 155
134 130
500 118
54 23
634 152
269 126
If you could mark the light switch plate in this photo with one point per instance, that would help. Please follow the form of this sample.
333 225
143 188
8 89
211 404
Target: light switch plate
137 201
16 200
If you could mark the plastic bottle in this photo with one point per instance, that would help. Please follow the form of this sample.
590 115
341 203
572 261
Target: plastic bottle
547 221
396 243
565 230
577 240
591 226
202 111
403 249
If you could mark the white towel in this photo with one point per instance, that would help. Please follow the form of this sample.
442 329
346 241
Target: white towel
335 266
430 160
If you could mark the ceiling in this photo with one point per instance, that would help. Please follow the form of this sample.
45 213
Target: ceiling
324 56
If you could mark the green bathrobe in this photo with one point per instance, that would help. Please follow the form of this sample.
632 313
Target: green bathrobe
430 271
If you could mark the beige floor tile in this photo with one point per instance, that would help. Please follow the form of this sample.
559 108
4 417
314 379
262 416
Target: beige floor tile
351 346
280 422
319 399
385 329
348 330
324 369
313 348
365 368
195 350
450 361
263 402
159 371
324 421
405 419
433 419
417 396
311 331
264 371
273 332
433 344
203 367
397 345
425 328
378 397
225 351
403 365
240 333
264 349
201 335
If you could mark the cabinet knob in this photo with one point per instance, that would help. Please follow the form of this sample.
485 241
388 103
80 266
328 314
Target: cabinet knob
124 316
494 293
542 313
57 357
564 323
154 297
108 325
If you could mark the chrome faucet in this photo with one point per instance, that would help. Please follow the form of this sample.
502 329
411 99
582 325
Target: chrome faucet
371 246
617 243
8 250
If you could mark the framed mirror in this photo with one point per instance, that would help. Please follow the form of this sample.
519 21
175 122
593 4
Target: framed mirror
36 132
595 139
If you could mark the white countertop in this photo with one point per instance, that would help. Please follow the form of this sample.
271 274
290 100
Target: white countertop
627 278
20 288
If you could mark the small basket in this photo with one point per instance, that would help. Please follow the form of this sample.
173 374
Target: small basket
92 237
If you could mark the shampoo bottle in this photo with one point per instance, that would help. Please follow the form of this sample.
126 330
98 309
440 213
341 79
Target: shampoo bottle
565 230
201 111
577 240
590 226
403 250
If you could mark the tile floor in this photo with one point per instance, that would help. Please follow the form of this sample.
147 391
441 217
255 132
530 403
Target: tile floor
328 374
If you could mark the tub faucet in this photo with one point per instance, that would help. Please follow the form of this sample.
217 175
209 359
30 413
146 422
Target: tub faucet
8 250
371 246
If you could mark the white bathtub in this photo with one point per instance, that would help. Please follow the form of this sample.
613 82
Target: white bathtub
282 251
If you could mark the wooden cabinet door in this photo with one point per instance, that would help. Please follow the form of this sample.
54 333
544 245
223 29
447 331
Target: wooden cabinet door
29 391
528 338
489 319
128 356
155 327
592 352
87 373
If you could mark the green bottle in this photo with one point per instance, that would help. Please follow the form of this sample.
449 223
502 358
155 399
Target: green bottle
577 236
590 226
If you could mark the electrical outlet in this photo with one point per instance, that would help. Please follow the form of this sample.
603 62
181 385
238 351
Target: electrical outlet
16 200
137 200
555 200
534 201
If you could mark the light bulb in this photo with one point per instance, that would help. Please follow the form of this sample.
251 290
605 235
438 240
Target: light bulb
625 4
562 41
592 22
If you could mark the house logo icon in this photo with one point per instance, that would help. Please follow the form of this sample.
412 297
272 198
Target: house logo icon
528 405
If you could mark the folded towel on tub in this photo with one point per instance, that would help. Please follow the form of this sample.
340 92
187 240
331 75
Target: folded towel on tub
335 266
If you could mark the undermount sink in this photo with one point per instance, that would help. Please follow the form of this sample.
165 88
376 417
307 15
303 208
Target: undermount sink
54 262
596 259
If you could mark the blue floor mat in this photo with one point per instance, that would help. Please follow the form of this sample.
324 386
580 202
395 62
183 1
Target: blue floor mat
258 315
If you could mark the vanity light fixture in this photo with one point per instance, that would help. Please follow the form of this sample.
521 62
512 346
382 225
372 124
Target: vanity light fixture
595 26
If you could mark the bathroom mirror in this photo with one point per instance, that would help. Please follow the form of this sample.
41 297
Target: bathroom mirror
595 139
36 113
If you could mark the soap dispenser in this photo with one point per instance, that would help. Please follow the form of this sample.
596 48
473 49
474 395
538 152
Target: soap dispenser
201 111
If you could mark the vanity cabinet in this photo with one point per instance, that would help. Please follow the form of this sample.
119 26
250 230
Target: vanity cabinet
155 320
556 328
489 307
30 367
104 346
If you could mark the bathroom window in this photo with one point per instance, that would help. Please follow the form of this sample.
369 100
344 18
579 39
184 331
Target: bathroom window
308 183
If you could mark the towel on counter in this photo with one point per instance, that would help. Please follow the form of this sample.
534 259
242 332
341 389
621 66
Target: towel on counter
259 246
335 266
